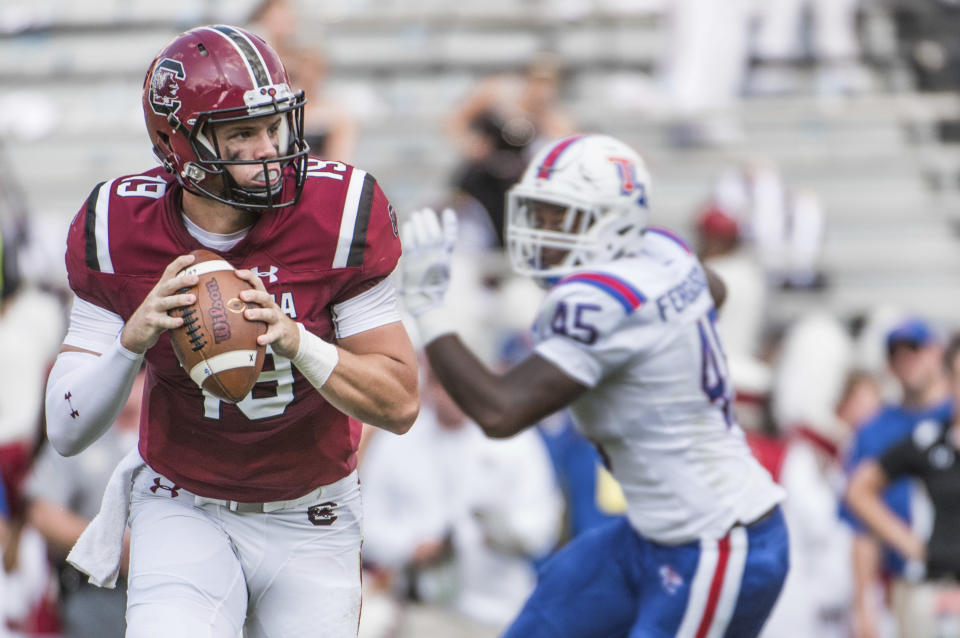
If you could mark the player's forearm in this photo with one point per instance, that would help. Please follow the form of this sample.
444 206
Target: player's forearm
85 394
863 495
865 559
482 395
374 389
866 569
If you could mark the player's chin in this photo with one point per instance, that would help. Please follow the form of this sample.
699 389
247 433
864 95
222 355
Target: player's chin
551 257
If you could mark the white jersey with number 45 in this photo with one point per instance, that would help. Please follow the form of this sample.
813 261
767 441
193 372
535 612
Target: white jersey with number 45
639 331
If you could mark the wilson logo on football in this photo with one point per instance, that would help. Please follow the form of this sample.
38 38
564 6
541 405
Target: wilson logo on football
164 86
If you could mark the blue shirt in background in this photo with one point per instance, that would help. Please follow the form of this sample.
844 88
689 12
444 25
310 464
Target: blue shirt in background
4 505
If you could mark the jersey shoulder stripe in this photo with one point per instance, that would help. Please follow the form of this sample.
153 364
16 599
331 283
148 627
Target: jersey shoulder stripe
96 228
625 293
669 234
354 221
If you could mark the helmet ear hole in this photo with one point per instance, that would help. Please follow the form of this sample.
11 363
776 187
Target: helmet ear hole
165 141
164 151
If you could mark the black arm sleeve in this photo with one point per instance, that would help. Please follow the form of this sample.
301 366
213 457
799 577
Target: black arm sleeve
903 459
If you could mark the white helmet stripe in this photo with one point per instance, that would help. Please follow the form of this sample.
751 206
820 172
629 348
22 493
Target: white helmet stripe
247 51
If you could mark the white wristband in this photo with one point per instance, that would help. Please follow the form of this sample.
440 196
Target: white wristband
434 323
315 358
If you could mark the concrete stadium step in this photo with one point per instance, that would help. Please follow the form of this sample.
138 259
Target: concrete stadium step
847 298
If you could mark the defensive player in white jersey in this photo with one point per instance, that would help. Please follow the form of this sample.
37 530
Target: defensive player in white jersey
626 339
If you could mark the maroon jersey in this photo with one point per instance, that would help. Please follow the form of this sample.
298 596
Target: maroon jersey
283 439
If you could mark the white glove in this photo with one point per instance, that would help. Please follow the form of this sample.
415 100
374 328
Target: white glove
425 266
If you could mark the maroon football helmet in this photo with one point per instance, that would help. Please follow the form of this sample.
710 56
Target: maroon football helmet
216 74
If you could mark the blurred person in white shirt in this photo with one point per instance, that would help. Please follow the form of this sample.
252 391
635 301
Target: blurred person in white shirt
721 244
782 42
811 372
63 495
32 322
462 517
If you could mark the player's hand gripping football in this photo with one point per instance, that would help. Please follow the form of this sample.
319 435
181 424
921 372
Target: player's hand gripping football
282 334
150 319
428 242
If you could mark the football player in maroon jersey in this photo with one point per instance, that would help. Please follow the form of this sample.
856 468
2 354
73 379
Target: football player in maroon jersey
243 516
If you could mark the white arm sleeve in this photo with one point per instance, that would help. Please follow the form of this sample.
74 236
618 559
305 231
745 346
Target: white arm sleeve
370 309
85 392
92 327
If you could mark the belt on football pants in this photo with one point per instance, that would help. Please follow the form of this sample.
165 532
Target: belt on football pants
275 506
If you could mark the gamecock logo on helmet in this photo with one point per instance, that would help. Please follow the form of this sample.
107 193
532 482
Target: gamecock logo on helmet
164 86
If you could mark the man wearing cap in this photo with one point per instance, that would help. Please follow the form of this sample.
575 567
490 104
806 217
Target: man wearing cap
915 357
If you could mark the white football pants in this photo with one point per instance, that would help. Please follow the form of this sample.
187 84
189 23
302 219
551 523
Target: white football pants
204 571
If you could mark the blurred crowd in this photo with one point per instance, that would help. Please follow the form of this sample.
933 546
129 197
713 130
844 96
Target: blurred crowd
456 525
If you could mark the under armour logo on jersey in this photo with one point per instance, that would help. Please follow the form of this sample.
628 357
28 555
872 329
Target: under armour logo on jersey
73 411
157 485
670 579
270 275
322 514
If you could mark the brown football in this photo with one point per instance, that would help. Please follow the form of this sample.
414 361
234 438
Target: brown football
216 344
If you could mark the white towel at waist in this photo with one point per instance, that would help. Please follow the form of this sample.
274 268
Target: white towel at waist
99 549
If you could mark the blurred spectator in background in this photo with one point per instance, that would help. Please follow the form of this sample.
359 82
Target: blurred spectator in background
721 245
4 506
860 399
784 225
27 584
329 128
811 371
276 22
63 495
927 36
926 599
703 69
926 31
457 518
708 50
4 541
497 128
915 356
793 31
31 322
792 241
